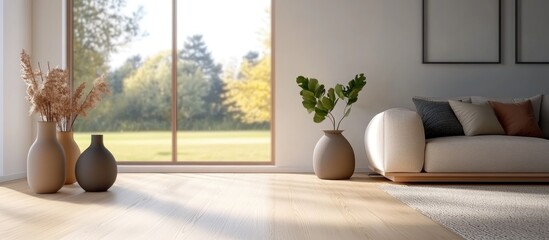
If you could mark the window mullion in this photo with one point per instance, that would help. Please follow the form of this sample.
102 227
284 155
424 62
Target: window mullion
174 81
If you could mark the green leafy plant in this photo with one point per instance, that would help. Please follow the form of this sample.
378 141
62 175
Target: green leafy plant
316 99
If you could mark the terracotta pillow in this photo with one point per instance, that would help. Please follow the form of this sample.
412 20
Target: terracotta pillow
517 119
536 102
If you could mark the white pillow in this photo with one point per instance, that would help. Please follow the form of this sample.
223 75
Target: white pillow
477 119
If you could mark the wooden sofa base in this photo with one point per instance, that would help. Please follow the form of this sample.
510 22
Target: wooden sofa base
465 177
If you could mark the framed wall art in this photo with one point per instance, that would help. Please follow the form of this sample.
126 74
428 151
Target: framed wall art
532 32
461 32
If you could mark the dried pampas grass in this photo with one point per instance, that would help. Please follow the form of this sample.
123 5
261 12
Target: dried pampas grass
52 97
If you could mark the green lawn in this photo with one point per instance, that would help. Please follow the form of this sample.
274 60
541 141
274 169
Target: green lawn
192 146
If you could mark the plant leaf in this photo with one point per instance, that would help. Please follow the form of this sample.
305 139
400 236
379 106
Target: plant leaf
327 103
331 94
302 82
310 106
321 106
347 112
359 81
354 94
320 115
351 84
313 83
339 91
309 99
352 100
319 91
318 118
320 112
307 93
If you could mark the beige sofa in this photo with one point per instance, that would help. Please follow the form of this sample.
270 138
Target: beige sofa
397 149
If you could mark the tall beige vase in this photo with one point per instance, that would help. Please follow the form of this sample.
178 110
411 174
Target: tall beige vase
333 156
46 161
72 152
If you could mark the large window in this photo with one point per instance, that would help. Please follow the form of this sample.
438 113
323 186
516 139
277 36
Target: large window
190 79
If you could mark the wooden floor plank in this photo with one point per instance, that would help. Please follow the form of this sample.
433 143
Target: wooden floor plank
215 206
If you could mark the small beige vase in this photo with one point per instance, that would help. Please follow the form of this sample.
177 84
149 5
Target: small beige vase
46 161
333 156
72 152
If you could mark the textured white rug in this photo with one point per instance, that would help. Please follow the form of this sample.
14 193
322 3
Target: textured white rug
481 211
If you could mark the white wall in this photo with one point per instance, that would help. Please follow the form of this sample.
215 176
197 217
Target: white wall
17 133
333 40
327 39
2 88
37 27
48 35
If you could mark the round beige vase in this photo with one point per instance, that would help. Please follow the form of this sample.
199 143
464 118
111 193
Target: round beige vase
46 161
333 156
72 152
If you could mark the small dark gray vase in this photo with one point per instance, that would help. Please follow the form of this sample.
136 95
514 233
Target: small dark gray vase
96 168
333 157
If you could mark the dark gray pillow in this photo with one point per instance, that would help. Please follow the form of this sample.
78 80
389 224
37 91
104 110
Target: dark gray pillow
438 118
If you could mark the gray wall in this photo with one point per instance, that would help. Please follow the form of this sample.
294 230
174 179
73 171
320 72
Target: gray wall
333 40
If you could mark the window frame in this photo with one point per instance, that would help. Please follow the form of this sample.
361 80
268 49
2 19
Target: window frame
271 162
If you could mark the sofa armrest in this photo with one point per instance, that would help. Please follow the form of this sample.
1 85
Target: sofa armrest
395 141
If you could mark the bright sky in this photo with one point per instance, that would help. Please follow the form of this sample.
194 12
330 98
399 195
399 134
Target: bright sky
230 28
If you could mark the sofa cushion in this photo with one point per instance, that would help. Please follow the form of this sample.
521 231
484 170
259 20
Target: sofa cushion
438 118
487 153
517 118
536 102
476 119
466 99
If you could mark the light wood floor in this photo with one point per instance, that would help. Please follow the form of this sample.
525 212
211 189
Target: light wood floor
215 206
